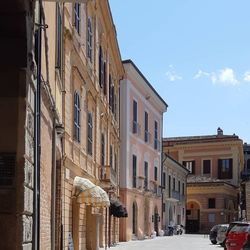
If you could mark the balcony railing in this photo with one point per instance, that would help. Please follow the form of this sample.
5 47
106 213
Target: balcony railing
136 128
147 136
108 174
157 144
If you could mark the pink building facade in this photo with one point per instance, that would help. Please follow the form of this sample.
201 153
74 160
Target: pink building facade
141 116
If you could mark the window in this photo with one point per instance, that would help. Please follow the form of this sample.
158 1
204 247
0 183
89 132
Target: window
225 168
58 38
174 183
163 207
102 150
76 117
115 162
89 40
77 8
134 171
156 142
183 188
206 166
101 68
179 186
111 156
190 165
135 125
146 136
169 186
90 134
164 180
211 218
156 173
105 78
211 203
146 175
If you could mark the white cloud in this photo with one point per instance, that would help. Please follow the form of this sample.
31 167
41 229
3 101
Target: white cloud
247 76
224 76
201 74
172 75
227 77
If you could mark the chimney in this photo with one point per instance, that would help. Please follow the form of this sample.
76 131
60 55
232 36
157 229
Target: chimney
219 131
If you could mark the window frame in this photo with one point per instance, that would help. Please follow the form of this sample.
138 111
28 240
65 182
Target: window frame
90 134
58 38
211 203
134 170
77 16
146 175
89 40
77 117
204 167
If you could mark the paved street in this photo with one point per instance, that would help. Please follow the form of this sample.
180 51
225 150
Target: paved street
183 242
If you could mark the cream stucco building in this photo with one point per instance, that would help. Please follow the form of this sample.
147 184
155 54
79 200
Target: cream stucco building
174 183
140 164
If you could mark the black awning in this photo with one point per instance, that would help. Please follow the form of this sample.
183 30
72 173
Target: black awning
117 209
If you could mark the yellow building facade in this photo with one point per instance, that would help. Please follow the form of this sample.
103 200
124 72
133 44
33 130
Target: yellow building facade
92 71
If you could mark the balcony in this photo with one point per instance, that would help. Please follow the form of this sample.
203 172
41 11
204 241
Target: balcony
136 128
157 144
147 136
108 174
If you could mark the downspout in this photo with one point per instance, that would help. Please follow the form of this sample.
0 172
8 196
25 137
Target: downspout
37 137
53 186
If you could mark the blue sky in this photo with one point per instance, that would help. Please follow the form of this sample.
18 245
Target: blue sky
196 54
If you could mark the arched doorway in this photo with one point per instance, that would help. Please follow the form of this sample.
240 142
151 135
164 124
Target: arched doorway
156 220
134 219
193 217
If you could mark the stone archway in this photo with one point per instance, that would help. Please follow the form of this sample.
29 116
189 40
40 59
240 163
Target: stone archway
193 217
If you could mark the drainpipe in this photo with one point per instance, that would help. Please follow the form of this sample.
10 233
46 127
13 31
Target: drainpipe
37 139
53 187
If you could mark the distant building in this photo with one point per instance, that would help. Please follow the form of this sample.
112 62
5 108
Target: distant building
245 184
215 163
174 184
140 167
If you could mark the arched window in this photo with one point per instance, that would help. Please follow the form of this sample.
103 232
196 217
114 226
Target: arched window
90 134
89 40
77 116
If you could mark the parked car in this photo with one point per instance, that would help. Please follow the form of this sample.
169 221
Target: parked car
237 236
231 225
213 233
246 246
221 234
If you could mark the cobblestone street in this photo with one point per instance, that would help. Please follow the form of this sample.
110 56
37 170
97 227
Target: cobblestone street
183 242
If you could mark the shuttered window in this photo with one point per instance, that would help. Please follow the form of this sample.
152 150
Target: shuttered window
225 168
206 166
190 165
77 116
